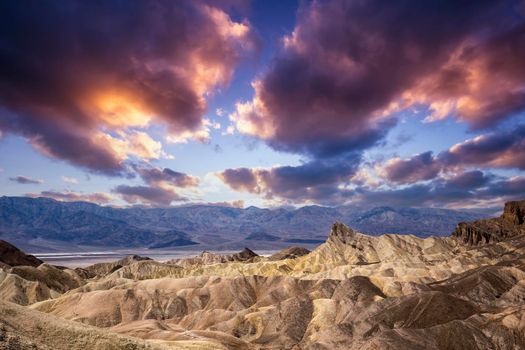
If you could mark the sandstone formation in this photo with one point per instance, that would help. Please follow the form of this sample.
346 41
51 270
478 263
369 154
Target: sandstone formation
24 329
26 284
354 292
510 223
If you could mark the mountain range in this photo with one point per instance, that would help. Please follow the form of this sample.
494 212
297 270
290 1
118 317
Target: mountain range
43 224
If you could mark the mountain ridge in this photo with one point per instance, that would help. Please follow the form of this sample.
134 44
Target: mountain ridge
53 225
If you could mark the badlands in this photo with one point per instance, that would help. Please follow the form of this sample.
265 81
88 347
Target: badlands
355 291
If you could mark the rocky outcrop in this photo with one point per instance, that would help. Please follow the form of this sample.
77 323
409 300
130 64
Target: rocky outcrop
514 212
509 224
341 233
12 256
208 258
25 285
289 253
103 269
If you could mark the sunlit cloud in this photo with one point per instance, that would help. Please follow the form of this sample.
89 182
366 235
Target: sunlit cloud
69 180
107 91
340 77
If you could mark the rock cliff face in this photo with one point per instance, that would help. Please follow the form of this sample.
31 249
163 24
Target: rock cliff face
514 212
509 224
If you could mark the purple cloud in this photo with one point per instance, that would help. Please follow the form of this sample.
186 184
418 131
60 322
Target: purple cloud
70 196
500 149
316 180
152 175
349 66
148 194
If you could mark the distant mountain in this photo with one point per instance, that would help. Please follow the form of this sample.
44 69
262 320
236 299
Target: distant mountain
418 221
45 224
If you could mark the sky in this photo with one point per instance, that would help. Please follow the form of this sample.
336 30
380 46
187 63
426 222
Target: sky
267 103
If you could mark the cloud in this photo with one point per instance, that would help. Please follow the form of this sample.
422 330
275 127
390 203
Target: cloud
232 204
512 188
162 186
230 130
241 179
69 180
70 196
469 180
79 80
481 84
499 149
220 112
153 175
25 180
419 167
327 185
313 181
349 66
472 188
148 194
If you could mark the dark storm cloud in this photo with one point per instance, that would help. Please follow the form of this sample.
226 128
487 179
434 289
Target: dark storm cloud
349 66
71 72
25 180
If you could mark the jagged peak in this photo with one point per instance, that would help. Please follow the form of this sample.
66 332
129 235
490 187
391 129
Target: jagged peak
341 232
248 251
